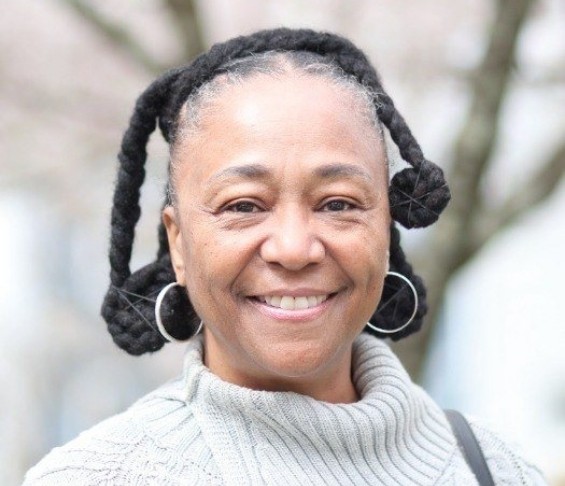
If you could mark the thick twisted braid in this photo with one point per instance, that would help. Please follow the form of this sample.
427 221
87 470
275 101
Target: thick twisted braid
417 194
396 307
129 303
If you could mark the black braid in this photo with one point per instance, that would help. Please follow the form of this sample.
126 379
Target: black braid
396 307
128 307
417 194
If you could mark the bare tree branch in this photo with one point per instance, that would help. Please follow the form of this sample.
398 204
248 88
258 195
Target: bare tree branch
450 244
538 188
185 18
479 133
116 34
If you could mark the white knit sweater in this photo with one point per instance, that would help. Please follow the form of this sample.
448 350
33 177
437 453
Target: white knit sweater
201 430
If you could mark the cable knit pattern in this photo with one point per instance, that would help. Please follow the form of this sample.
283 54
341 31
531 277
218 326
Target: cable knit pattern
201 430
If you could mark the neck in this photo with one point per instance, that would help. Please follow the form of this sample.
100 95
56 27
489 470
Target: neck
331 389
331 384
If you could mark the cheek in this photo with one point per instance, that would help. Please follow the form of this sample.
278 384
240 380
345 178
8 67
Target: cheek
213 257
368 243
207 276
369 268
363 255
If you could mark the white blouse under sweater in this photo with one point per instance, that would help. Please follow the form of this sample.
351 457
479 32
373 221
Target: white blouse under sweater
200 430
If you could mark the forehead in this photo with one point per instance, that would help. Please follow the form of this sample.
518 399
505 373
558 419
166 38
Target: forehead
293 94
274 118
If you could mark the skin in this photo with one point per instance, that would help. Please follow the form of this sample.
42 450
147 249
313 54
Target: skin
282 191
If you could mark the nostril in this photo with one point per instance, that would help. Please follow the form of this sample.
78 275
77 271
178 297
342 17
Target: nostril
292 251
318 251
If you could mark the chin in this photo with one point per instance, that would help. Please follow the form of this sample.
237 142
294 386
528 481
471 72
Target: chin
308 359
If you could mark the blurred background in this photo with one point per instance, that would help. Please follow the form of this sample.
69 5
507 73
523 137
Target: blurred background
482 85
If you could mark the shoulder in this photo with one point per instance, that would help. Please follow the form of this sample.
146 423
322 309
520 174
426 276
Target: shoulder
146 442
506 462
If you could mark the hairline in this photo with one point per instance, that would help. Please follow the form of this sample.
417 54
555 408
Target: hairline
276 63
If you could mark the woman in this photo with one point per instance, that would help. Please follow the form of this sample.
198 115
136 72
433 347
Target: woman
277 241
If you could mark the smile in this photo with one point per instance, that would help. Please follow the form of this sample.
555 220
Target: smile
289 302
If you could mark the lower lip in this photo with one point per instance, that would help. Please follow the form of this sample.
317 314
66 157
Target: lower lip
292 315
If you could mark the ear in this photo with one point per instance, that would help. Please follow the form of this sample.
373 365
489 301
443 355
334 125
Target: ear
174 235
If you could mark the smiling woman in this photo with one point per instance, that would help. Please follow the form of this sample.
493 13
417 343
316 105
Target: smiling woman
277 240
289 203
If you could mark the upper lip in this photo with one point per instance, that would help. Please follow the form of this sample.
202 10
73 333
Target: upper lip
297 292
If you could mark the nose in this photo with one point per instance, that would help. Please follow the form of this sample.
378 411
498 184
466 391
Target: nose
292 241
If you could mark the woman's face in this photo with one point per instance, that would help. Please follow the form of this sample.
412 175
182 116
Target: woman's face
280 229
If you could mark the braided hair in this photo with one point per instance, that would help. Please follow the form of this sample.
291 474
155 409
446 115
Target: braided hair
417 194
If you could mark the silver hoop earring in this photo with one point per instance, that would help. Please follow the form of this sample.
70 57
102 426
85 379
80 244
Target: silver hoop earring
406 324
158 320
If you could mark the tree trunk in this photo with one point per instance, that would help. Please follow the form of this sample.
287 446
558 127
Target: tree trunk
454 240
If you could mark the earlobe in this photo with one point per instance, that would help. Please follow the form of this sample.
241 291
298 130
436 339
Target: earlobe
174 235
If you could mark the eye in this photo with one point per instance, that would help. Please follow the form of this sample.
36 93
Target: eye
337 205
243 207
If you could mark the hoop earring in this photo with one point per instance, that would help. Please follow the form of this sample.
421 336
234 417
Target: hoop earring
158 320
407 323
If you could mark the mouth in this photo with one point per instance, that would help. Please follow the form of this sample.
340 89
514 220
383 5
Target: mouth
289 302
293 308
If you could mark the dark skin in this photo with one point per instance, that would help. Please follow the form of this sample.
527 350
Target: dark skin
280 232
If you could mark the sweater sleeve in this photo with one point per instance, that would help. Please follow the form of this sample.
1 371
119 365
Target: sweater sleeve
114 453
97 456
507 465
154 442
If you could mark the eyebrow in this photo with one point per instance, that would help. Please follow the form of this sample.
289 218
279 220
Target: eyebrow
259 171
337 171
247 171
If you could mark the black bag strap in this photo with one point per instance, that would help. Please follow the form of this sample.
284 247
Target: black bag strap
470 447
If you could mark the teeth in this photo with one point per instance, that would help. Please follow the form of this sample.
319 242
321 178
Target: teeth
288 302
301 303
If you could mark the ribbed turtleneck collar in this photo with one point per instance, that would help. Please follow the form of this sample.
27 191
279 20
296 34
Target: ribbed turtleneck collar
394 434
